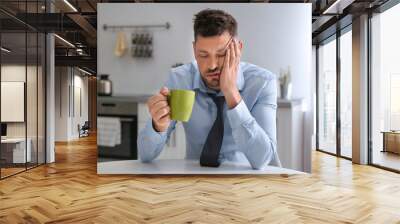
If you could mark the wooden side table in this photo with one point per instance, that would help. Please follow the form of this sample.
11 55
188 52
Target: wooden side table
391 141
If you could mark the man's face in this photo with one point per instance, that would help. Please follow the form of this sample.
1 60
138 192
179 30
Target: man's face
210 53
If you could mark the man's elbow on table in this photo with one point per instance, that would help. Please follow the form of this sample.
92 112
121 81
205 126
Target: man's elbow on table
144 157
260 162
258 166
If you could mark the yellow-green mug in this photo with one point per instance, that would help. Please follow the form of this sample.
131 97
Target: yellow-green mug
181 103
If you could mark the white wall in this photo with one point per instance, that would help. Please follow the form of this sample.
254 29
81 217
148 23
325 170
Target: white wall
19 73
61 104
385 48
50 95
80 84
275 36
389 65
314 97
66 101
360 89
33 126
15 73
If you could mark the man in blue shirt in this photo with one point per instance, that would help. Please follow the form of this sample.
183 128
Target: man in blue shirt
234 114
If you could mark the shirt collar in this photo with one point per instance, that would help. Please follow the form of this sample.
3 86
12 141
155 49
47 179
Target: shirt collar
199 84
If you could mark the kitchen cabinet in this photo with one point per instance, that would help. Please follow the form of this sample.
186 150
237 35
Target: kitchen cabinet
290 134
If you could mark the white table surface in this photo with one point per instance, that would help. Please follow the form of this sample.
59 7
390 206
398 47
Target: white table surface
182 166
13 140
19 150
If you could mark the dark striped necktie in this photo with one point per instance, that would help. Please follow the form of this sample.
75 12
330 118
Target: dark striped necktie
209 155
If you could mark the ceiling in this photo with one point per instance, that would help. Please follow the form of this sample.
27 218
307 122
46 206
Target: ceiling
76 22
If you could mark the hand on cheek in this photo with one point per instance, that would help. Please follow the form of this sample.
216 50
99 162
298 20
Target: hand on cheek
229 72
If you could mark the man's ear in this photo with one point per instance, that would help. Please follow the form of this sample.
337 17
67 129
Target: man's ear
194 49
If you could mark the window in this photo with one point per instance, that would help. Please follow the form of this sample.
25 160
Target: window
346 94
22 75
327 97
335 74
385 89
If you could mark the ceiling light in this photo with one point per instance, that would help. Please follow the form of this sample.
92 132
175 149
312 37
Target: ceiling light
338 6
80 51
65 41
70 5
84 71
5 50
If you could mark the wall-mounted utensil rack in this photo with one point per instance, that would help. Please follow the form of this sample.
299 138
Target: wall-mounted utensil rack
167 25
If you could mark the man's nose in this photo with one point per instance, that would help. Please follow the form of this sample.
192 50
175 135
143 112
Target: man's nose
213 64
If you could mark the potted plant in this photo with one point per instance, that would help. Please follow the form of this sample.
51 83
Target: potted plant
285 83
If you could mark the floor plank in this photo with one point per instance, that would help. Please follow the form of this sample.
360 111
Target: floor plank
70 191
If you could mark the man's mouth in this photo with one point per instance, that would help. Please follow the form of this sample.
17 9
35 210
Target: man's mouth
212 75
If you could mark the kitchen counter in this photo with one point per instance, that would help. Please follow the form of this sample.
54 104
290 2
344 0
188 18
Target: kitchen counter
282 103
132 98
182 166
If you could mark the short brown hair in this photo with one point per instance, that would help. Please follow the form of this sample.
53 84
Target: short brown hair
213 22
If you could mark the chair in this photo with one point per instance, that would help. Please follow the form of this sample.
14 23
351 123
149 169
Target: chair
84 130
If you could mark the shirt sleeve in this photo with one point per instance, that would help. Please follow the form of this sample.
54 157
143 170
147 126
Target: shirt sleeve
255 131
150 142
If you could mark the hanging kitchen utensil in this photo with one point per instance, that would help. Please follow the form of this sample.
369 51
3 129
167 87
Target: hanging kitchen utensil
120 45
142 44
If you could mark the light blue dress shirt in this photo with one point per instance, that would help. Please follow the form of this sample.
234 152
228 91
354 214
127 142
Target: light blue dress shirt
249 128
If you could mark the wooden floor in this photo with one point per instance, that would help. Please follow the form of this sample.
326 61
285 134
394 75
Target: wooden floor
387 159
70 191
10 171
